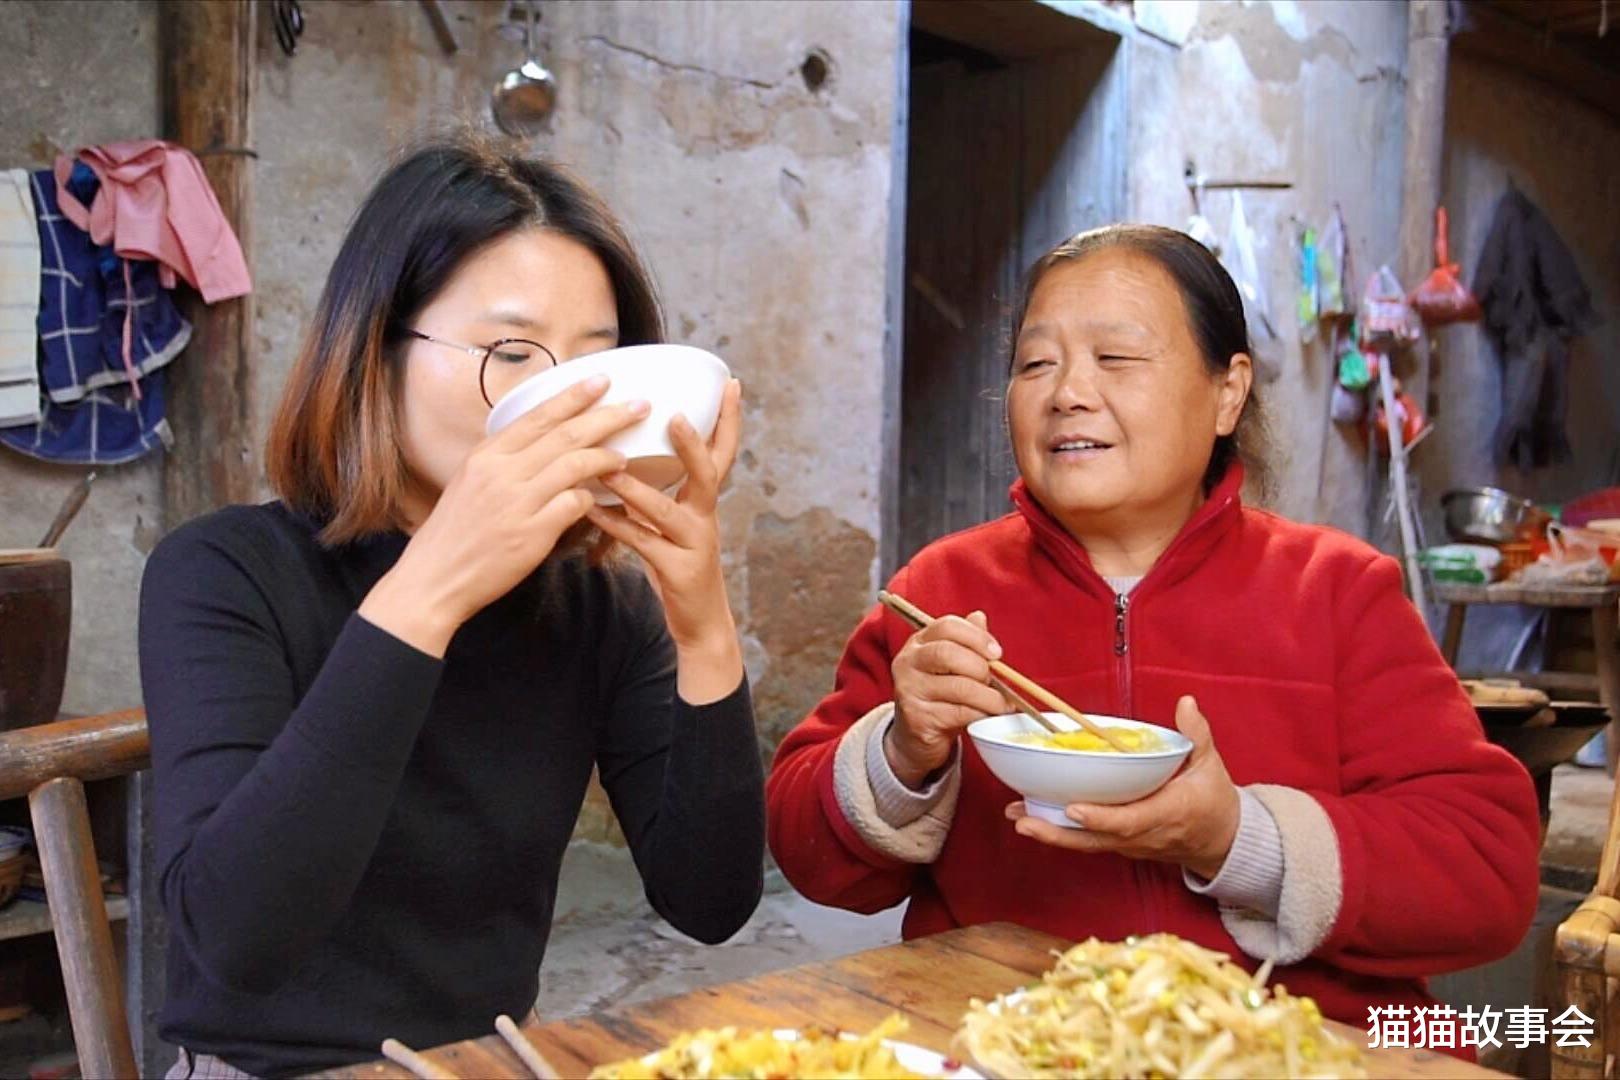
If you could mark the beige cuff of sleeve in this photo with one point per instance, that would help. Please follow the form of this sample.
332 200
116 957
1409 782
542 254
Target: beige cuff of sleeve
920 840
1312 882
897 804
1252 875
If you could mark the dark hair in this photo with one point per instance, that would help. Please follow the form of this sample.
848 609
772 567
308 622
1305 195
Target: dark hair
334 450
1214 314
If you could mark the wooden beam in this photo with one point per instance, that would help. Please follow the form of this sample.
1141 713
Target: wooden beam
1018 29
1427 55
1486 33
208 75
1424 152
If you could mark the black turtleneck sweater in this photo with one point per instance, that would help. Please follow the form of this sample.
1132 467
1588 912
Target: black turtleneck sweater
356 840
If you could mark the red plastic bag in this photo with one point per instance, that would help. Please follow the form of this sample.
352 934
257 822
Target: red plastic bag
1442 297
1411 419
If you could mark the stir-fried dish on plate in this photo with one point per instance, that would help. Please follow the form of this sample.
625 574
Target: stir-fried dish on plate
781 1055
1153 1006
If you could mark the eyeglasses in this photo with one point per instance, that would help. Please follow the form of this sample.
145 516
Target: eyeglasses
515 360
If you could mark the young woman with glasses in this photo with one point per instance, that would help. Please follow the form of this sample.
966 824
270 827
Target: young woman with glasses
376 703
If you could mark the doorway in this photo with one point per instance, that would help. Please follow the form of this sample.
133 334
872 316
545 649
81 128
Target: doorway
1015 140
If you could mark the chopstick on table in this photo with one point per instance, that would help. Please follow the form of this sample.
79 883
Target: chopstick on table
415 1063
1007 678
526 1051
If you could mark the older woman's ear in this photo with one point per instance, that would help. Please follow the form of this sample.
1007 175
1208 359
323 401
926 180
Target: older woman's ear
1234 384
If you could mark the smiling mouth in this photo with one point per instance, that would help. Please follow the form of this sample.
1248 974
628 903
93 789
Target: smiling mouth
1079 446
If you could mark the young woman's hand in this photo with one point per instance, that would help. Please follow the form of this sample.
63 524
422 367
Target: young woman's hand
941 685
500 515
678 540
1191 821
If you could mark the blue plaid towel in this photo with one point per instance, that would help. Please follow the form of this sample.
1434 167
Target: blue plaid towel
91 413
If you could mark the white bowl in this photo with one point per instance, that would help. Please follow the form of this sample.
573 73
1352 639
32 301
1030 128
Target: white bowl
1050 779
673 378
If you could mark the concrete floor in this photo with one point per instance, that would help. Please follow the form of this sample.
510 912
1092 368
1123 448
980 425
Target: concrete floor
607 946
1579 821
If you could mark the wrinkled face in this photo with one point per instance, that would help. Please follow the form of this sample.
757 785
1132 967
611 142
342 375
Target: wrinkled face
1111 407
533 284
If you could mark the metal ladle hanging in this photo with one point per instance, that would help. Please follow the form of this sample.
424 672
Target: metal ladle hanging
524 98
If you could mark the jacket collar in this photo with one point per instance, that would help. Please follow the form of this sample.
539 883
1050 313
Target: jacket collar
1185 554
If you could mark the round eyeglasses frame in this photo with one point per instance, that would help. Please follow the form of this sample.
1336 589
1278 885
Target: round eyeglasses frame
483 353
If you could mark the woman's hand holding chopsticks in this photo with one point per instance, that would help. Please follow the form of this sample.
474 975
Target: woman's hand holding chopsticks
941 685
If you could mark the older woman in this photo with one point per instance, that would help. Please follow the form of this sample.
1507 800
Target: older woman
376 703
1341 811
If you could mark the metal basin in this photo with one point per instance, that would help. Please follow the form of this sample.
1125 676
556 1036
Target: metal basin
1490 515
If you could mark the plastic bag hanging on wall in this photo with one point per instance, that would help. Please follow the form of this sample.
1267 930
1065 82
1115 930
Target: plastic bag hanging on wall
1332 255
1243 263
1309 284
1442 297
1387 321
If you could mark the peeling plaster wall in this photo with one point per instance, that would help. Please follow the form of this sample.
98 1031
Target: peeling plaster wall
1311 93
53 104
1565 157
763 207
760 204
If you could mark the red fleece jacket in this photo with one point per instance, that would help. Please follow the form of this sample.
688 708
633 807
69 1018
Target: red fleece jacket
1315 672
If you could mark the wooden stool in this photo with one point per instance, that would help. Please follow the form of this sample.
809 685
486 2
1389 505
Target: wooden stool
1603 604
50 763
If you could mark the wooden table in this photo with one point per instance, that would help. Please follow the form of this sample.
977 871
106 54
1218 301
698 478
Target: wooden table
1602 601
928 980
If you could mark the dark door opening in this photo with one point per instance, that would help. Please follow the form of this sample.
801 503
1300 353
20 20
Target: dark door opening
1015 141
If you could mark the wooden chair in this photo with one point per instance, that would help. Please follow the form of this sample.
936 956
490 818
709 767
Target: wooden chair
1588 958
50 763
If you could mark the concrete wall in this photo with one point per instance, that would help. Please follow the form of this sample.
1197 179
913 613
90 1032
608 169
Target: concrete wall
1310 93
760 202
1502 127
761 205
764 208
79 72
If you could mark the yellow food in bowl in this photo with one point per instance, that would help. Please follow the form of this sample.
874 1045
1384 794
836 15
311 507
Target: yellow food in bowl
1139 740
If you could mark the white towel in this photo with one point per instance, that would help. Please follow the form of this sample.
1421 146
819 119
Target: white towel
19 301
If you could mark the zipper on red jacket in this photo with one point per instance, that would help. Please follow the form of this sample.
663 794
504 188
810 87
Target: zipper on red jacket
1122 649
1146 886
1149 886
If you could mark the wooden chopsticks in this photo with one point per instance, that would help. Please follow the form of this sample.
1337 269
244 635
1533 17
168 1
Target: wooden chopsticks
526 1051
919 619
415 1063
421 1067
1006 678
